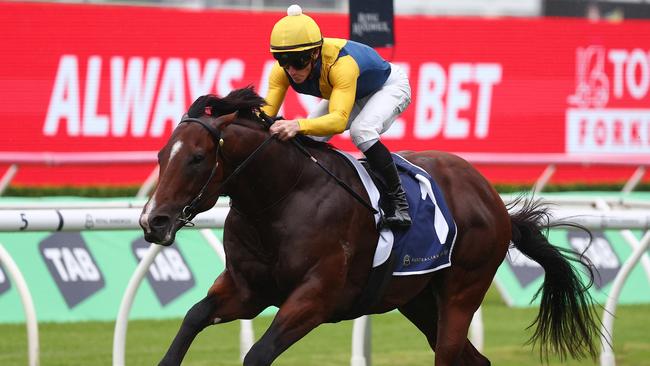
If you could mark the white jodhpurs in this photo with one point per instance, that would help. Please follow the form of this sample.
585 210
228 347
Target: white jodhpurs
374 114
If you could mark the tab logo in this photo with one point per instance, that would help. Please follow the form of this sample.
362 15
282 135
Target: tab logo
72 266
525 269
169 275
600 253
5 285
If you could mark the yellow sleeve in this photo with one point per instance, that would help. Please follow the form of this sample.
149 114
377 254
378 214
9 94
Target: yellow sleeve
278 85
343 76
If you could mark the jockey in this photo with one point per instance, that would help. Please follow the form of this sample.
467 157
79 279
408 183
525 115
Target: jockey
360 91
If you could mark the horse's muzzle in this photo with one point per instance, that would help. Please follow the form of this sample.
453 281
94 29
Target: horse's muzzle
158 229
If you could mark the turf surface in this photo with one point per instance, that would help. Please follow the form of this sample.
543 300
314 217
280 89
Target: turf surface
395 342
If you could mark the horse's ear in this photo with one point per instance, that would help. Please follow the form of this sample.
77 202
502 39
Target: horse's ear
224 120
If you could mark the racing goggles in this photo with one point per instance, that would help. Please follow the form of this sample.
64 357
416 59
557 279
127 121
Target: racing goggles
297 60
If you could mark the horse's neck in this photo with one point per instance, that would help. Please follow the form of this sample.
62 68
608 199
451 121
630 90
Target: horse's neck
269 178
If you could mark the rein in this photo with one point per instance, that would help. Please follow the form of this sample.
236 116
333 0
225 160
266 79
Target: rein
337 179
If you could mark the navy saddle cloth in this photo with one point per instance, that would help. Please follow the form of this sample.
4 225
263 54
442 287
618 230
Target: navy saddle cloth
427 245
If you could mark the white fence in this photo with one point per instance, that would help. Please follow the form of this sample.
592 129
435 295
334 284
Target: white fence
594 214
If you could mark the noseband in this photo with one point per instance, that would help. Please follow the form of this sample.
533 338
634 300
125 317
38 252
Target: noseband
189 211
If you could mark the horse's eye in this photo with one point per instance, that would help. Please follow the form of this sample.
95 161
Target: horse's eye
197 158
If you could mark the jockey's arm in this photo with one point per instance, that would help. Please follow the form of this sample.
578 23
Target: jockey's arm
278 85
343 77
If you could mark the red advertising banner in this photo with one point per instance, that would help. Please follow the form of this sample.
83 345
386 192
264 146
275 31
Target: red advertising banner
83 78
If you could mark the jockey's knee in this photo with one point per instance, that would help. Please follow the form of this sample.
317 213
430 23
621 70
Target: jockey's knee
365 132
363 138
363 146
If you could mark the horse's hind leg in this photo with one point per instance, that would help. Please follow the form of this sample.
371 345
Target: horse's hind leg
460 295
422 311
222 304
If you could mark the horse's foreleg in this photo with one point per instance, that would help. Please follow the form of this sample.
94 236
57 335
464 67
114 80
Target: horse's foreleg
222 304
196 319
291 323
303 311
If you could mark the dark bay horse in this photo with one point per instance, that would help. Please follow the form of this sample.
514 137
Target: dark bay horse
295 239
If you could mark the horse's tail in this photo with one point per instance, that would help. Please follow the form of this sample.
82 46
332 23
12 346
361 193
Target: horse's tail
567 322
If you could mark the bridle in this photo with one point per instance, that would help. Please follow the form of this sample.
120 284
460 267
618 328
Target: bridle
189 211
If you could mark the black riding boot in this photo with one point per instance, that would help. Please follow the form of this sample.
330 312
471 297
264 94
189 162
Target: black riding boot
396 208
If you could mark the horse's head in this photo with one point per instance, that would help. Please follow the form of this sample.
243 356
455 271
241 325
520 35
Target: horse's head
191 164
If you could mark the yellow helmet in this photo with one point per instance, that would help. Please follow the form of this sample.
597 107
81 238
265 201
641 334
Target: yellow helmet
295 32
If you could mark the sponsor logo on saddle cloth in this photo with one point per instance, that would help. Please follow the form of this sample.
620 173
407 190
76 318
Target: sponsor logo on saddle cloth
427 245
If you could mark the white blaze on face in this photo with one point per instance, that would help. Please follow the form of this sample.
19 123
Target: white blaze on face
151 205
144 218
175 148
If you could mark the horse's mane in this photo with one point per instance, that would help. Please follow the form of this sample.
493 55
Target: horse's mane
244 101
247 103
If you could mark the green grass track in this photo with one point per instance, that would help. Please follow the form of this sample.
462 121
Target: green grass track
395 342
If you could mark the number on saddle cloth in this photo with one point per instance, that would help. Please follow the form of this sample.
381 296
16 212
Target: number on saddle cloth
426 246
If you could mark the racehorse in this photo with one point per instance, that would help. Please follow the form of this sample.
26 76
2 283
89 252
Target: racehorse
296 240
